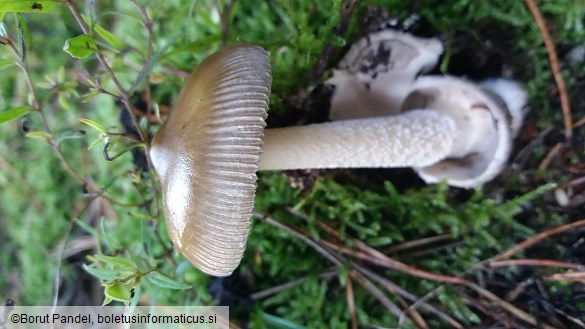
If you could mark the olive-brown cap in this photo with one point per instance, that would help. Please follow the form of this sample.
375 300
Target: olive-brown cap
206 155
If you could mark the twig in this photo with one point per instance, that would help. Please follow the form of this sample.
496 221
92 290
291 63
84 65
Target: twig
579 123
276 289
351 302
338 261
148 24
36 105
569 276
125 99
395 289
554 151
60 253
533 262
346 12
379 258
225 20
534 240
414 314
522 157
518 313
556 68
378 294
418 243
505 321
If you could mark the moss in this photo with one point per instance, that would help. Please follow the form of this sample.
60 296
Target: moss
383 208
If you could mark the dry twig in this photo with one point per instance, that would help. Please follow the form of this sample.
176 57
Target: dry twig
338 261
276 289
556 67
351 302
369 254
533 262
535 239
569 276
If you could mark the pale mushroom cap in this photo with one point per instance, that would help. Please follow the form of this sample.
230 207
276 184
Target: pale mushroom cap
484 137
511 95
375 75
206 155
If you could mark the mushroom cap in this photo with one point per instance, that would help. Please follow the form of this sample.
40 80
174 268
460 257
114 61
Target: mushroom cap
375 75
511 95
206 155
484 135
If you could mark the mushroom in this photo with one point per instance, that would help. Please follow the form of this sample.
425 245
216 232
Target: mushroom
375 75
207 152
486 123
378 77
510 95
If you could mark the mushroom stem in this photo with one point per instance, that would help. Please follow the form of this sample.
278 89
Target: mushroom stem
414 138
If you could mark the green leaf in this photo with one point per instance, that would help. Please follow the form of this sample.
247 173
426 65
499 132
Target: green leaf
380 241
107 300
148 66
108 36
277 322
80 47
87 97
28 6
119 262
138 262
87 228
39 135
138 215
95 142
164 281
119 291
105 274
93 124
70 135
23 36
14 113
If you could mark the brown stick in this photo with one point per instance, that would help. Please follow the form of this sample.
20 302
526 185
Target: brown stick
417 243
569 276
338 261
535 239
281 287
378 258
556 68
533 262
579 123
351 302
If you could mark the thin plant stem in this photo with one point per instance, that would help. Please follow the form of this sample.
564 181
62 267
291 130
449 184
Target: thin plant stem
555 66
281 287
338 261
36 105
374 256
124 97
